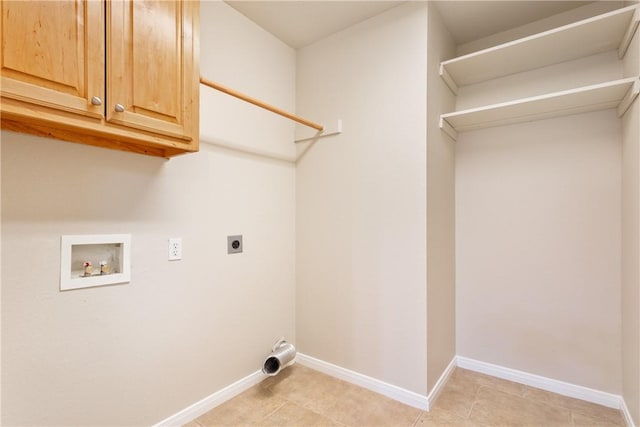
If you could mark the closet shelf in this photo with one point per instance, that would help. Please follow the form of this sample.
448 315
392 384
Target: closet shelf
618 93
609 31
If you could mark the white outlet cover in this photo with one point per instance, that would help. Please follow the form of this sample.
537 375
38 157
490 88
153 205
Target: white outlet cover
175 249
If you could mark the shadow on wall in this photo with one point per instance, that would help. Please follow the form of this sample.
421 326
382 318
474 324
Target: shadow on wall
61 181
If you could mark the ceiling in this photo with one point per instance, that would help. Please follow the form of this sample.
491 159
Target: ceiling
473 20
301 23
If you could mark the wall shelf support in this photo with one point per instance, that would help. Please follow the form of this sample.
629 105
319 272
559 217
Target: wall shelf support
448 79
628 35
448 129
628 99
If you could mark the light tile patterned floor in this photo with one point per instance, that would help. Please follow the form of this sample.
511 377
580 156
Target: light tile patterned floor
299 396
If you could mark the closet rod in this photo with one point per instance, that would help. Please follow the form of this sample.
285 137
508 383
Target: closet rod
260 104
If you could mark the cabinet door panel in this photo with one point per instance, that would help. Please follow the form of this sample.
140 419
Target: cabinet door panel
150 65
162 50
52 54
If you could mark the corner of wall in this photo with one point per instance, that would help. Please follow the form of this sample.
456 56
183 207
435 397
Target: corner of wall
630 292
361 190
441 340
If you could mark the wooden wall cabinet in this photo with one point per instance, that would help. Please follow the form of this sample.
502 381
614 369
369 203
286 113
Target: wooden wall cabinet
120 74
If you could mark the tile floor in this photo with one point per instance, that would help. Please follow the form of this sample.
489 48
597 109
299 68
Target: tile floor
300 396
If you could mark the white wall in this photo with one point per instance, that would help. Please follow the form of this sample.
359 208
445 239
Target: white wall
573 15
239 54
538 232
538 248
631 243
586 71
361 199
441 303
137 353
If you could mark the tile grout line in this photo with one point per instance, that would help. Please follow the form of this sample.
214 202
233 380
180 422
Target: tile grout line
572 410
475 400
560 406
557 406
415 422
284 402
287 400
468 417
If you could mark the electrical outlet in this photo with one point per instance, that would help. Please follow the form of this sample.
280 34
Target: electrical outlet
234 244
175 249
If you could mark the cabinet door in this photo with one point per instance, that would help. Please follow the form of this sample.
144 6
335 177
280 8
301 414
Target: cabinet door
52 54
150 66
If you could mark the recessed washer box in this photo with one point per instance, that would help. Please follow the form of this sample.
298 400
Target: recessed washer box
87 261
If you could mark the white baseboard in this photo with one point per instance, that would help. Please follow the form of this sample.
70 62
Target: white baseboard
627 414
555 386
402 395
442 381
394 392
208 403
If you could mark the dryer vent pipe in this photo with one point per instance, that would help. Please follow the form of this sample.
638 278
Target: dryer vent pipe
283 355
